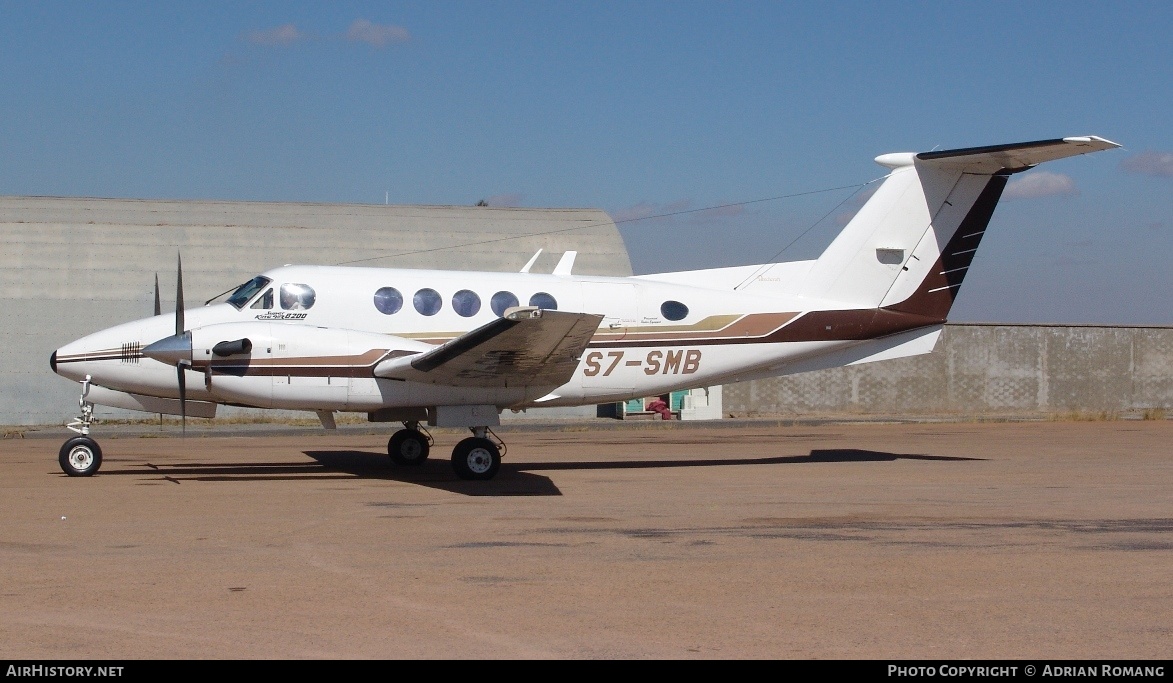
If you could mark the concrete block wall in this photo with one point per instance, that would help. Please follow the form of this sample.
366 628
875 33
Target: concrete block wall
986 369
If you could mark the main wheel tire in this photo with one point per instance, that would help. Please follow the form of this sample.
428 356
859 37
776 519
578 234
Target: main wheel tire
408 447
476 459
80 456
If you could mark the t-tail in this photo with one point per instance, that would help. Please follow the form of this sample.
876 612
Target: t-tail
905 253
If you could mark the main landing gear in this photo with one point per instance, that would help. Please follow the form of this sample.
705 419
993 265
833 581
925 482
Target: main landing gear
81 456
476 458
410 445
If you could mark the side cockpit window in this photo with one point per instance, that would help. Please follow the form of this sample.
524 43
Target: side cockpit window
264 301
247 291
297 297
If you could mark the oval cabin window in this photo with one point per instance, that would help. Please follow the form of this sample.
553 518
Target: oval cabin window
543 300
466 303
388 300
673 310
503 301
427 301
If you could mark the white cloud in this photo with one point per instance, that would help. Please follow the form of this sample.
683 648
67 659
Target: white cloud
726 211
377 35
1040 184
680 211
650 210
284 34
634 212
1159 164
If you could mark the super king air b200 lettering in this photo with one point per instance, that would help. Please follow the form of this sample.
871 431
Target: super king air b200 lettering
454 349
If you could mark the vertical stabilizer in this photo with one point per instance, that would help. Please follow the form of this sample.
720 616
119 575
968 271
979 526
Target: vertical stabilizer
909 247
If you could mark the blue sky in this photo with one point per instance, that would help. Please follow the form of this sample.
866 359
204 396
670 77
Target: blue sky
638 108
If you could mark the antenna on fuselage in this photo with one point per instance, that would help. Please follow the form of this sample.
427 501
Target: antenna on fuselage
565 264
530 263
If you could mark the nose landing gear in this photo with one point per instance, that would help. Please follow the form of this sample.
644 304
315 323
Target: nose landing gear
81 456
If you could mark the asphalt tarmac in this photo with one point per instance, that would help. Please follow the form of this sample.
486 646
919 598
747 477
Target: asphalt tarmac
1032 540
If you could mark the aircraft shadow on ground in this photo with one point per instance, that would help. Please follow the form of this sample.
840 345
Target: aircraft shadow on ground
511 480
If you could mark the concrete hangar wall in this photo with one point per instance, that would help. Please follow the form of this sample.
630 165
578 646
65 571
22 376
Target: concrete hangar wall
71 266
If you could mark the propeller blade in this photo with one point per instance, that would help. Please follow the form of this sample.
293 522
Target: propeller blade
182 396
158 306
179 329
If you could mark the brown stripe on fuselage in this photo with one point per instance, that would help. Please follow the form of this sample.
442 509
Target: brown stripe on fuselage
842 325
751 325
103 354
430 337
709 324
367 358
354 371
725 325
361 365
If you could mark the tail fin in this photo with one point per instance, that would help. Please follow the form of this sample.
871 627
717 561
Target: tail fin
909 247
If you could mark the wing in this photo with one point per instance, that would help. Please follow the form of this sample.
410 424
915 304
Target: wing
526 347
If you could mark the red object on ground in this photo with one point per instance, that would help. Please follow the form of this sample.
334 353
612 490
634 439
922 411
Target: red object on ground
662 408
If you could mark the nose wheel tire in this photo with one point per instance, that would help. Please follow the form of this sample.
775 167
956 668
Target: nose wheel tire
476 459
80 456
408 447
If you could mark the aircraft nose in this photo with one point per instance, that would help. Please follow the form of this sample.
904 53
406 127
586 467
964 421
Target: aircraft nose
170 350
53 361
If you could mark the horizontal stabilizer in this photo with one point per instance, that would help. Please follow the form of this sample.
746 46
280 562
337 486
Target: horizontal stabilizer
1017 156
527 347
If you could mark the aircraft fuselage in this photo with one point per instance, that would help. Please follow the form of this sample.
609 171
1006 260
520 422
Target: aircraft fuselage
320 357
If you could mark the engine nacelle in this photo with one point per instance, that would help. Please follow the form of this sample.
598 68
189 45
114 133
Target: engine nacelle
281 365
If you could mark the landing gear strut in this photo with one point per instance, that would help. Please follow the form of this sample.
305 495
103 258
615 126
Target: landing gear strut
477 458
81 456
410 445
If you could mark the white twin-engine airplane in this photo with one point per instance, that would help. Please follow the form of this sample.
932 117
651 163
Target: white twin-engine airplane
455 348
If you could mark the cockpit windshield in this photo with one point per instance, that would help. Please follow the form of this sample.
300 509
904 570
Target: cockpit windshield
247 291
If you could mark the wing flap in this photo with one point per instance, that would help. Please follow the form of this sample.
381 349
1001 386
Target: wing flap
527 347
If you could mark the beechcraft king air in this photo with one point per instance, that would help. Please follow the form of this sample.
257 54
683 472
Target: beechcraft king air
455 348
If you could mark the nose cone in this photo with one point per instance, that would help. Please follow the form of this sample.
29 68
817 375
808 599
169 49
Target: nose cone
53 361
171 350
